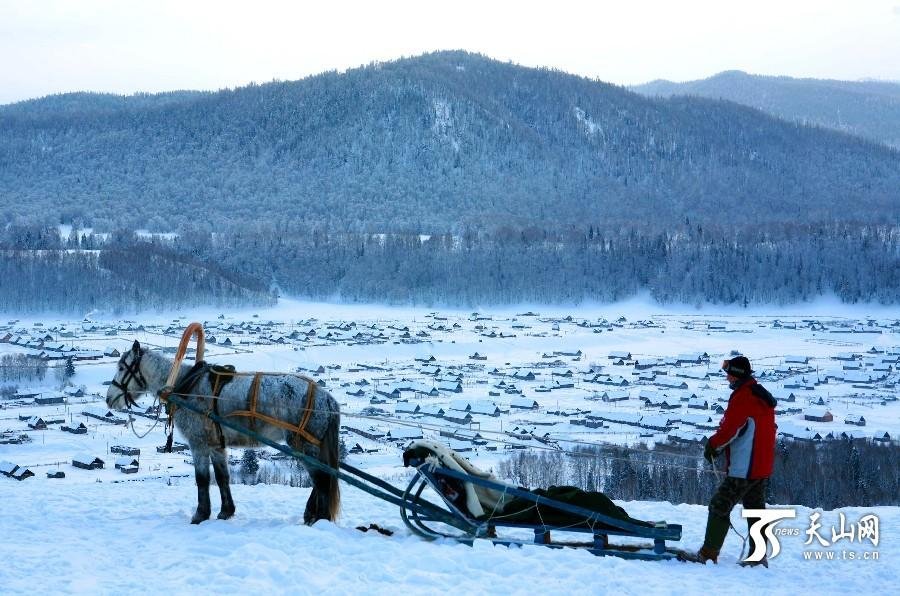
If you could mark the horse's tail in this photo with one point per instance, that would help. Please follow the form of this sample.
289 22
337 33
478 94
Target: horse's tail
329 454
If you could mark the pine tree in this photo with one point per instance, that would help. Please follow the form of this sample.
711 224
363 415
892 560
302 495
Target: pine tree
70 368
249 466
342 450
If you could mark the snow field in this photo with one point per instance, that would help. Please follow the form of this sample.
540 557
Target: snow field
135 537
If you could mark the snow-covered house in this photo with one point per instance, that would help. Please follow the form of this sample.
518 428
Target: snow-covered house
404 433
523 403
485 408
855 419
127 464
614 395
405 407
818 415
86 462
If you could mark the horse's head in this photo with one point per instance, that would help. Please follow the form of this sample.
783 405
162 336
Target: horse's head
129 379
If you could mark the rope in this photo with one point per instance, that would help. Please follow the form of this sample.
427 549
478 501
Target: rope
131 419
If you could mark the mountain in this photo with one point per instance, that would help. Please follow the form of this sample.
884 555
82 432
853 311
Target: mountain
435 143
870 109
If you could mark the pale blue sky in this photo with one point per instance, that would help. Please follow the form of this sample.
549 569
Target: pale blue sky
121 46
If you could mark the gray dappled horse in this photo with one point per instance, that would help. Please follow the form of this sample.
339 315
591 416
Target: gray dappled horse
279 396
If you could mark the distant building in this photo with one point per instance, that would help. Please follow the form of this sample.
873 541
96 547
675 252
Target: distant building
523 403
44 400
127 464
88 462
855 420
818 415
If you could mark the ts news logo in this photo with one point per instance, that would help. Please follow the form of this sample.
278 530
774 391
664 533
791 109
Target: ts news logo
765 523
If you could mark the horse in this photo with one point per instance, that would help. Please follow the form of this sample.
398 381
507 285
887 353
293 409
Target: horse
270 397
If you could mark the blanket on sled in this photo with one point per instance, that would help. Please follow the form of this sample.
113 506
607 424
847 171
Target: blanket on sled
485 503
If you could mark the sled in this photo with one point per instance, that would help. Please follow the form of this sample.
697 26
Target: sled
596 526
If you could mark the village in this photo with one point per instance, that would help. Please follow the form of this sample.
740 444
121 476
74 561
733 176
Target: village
483 384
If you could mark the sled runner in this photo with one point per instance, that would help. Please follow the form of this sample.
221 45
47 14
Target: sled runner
481 505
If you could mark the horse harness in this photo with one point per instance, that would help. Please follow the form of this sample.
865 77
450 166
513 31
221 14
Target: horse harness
132 371
219 376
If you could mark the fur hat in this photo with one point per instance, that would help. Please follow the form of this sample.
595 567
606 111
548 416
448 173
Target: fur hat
739 367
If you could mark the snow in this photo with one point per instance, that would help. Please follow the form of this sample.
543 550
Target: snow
134 537
107 532
591 127
148 235
66 231
443 121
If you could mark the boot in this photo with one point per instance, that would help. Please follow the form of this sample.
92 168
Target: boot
707 554
701 556
716 530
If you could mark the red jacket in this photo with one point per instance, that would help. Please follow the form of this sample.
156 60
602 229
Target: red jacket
747 432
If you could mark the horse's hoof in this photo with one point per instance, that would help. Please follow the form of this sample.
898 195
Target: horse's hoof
225 515
198 519
310 520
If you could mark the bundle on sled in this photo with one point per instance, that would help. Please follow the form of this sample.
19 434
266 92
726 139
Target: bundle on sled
480 505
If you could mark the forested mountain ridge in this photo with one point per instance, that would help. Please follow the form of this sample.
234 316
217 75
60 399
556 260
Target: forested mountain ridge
87 103
870 109
436 143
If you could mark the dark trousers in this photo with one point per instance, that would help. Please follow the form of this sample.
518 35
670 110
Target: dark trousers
750 493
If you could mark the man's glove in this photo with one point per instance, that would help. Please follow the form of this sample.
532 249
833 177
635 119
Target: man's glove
709 453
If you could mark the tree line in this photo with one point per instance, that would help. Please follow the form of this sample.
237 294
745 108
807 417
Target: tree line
22 368
688 264
119 279
823 475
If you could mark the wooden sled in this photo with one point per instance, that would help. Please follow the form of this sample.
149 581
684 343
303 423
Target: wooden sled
445 482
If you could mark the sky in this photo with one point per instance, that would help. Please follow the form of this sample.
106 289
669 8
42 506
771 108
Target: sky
57 46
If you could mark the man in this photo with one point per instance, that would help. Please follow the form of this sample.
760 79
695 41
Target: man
747 435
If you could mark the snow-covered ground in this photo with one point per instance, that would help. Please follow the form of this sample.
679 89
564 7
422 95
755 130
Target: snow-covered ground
106 532
135 538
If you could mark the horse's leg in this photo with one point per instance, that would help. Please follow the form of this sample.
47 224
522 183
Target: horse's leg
317 506
325 498
220 467
201 474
